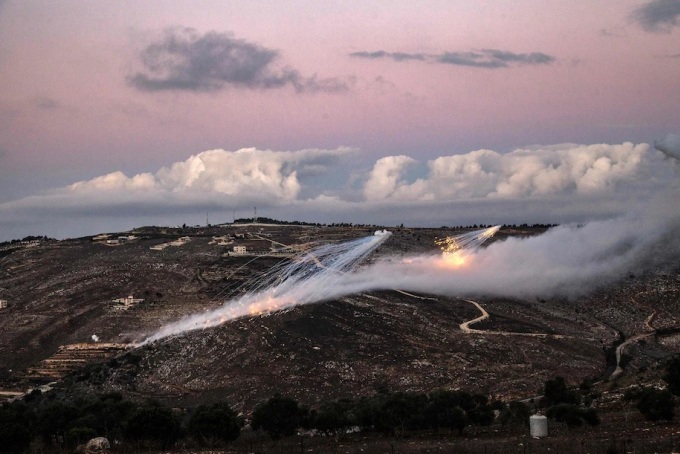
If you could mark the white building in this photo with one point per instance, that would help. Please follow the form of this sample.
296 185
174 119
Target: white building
239 250
3 304
126 303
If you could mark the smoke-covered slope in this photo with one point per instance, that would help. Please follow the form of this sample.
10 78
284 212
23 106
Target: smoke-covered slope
60 293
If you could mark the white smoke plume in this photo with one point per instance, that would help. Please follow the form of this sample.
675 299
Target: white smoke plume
567 261
309 278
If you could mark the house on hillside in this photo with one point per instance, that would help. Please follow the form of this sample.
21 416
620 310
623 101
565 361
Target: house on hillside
3 304
123 304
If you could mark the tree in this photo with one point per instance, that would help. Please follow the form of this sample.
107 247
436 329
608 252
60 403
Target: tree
334 417
15 424
515 413
672 375
54 420
480 413
443 410
400 411
214 422
572 415
656 404
555 392
279 416
153 422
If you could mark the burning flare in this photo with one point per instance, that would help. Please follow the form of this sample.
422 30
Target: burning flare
457 251
314 276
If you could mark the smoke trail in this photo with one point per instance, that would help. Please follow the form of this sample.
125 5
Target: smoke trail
566 261
310 278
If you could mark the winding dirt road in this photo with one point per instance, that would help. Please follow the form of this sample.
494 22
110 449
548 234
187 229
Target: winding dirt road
650 331
465 327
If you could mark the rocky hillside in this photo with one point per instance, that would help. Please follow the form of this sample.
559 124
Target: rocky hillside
61 293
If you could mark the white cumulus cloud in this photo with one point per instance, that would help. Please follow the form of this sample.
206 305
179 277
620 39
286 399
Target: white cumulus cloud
523 173
386 176
268 175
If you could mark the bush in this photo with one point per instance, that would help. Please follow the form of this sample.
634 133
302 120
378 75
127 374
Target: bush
515 413
572 415
279 416
334 417
15 424
79 435
153 423
555 392
214 422
656 404
672 375
399 412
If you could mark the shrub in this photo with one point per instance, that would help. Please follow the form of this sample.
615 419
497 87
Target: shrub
279 416
656 404
214 422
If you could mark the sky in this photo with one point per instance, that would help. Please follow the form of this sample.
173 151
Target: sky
115 115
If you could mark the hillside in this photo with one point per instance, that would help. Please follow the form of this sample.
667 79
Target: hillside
61 293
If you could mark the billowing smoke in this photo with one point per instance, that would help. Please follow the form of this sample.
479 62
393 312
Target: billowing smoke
310 278
566 261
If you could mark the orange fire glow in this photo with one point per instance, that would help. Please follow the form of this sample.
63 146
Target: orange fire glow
455 259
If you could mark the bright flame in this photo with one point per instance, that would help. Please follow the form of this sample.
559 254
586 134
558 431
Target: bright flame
454 259
457 251
313 276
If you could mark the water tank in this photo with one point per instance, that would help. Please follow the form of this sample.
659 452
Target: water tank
538 426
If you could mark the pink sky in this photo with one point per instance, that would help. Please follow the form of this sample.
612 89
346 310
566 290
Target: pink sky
69 113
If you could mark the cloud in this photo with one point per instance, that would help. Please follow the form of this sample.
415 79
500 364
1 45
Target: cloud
485 58
183 59
541 184
249 173
658 15
571 170
385 177
669 145
47 103
396 56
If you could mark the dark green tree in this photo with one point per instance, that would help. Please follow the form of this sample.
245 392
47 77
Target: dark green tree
481 413
443 410
399 412
672 375
334 417
214 422
572 415
54 420
515 413
15 427
556 392
153 423
279 416
656 404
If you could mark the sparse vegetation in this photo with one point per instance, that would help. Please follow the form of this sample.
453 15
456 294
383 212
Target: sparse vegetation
58 294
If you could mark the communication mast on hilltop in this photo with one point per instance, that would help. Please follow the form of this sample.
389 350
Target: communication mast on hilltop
254 215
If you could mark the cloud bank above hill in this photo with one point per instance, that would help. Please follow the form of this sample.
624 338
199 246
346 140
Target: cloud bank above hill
558 183
256 175
524 173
